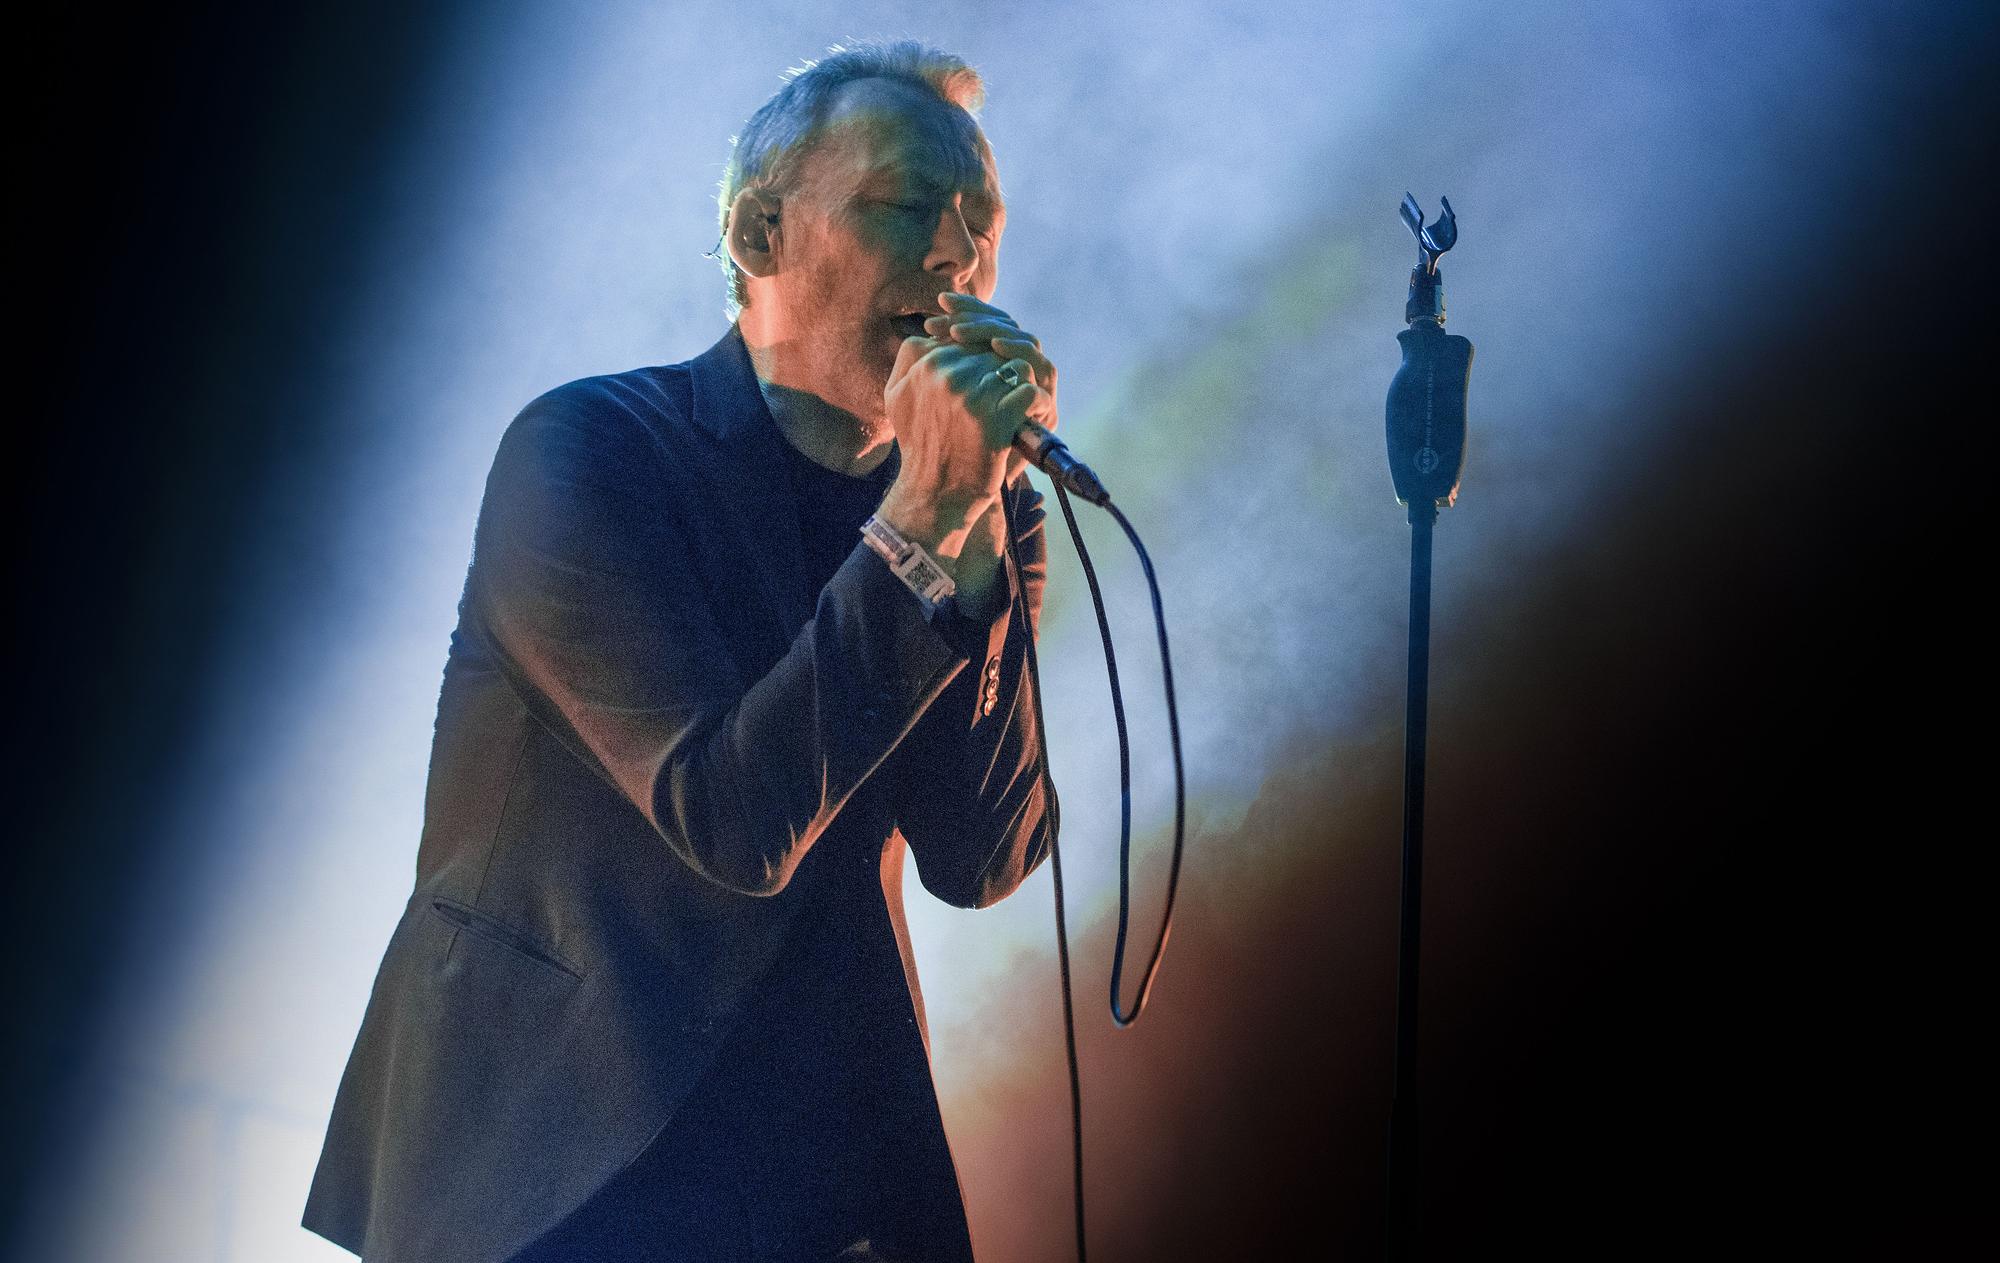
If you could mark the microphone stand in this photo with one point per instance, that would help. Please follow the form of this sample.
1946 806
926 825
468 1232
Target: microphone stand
1426 432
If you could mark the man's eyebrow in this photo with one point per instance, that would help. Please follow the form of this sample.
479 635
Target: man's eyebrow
919 180
891 175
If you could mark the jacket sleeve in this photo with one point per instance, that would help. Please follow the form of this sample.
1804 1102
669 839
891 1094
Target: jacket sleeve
970 798
591 603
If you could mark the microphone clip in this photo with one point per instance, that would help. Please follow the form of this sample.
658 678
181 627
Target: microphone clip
1426 282
1426 407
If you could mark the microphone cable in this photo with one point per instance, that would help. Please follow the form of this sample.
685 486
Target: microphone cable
1119 1016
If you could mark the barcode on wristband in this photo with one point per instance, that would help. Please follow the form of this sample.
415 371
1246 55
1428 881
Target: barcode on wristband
924 577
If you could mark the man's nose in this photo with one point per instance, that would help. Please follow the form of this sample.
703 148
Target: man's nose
953 250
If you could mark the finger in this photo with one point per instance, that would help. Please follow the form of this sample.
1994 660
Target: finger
970 315
1004 411
980 328
1025 402
996 382
1008 375
956 303
1022 371
1022 349
1041 408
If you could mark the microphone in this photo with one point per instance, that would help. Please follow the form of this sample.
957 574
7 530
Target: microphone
1052 456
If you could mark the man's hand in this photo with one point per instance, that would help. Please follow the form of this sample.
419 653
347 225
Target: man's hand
974 324
955 421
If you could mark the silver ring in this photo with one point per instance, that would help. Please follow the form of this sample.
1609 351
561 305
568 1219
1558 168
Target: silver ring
1009 374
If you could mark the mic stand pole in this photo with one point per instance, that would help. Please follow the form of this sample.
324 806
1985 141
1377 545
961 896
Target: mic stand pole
1403 1111
1426 431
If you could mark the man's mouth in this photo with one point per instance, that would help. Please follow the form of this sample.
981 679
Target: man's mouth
909 324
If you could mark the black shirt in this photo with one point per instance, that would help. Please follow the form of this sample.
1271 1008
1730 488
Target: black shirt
832 506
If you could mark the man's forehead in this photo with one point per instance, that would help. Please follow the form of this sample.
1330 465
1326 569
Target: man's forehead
886 128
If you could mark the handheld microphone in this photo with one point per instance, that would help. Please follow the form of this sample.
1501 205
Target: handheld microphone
1052 456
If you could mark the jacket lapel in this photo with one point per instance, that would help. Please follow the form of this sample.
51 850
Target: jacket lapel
754 482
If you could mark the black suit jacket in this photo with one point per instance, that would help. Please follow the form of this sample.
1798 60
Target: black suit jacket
647 723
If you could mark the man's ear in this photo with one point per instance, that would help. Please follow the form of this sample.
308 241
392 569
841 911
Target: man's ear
753 232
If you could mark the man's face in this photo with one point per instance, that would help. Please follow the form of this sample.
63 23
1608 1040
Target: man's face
896 203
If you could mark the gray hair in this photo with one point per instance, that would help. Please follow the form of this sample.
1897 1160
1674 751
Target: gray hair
766 155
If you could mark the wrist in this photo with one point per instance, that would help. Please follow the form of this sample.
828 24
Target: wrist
939 527
911 563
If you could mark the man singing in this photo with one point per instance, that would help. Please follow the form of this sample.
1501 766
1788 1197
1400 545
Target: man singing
735 631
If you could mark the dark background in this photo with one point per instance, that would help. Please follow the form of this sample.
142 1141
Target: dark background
1723 1006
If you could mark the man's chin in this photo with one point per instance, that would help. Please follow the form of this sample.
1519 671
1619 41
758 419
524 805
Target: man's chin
863 389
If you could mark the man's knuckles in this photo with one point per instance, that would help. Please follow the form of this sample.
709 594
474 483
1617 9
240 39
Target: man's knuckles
946 357
961 368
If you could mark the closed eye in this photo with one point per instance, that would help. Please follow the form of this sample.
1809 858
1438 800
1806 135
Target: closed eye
930 210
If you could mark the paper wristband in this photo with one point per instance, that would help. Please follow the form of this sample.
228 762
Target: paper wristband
919 572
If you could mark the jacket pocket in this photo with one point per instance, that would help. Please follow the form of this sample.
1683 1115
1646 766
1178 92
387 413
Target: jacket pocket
493 930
